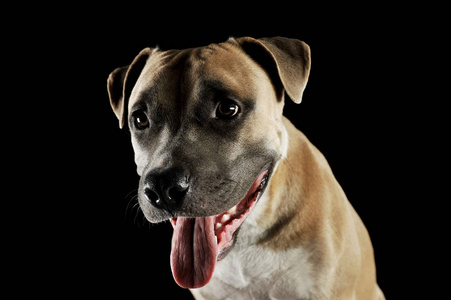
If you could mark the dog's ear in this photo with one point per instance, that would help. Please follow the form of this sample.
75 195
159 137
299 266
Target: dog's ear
287 62
121 82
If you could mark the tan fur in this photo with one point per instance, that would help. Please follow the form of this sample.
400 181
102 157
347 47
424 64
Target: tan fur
304 238
308 208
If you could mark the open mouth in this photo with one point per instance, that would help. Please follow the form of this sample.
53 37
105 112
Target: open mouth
198 243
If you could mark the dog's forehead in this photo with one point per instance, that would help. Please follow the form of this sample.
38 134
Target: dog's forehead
227 63
222 64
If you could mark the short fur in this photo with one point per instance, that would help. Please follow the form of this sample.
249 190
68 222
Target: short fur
303 240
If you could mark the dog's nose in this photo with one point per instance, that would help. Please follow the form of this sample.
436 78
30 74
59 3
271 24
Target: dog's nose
166 189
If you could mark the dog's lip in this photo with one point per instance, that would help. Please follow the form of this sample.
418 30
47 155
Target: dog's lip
227 223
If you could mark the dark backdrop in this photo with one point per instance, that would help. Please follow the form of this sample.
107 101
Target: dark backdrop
355 109
343 113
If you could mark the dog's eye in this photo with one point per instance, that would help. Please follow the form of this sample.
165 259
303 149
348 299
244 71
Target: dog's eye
227 109
140 119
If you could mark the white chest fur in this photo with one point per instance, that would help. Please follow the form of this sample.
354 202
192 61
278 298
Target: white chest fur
251 271
258 273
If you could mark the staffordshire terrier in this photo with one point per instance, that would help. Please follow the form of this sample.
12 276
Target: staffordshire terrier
256 210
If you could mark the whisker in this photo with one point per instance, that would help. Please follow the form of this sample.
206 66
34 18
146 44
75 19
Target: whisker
131 205
131 192
139 220
133 199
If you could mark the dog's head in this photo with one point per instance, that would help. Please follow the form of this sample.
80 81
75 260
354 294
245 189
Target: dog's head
206 127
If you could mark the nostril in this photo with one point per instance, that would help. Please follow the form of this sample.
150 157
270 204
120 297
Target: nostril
165 189
153 197
177 193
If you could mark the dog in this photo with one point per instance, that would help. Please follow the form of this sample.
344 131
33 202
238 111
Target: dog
256 210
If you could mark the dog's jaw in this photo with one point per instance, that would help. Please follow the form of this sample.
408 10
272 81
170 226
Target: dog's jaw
209 239
229 222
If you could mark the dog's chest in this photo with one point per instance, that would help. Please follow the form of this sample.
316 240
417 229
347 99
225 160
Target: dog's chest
258 273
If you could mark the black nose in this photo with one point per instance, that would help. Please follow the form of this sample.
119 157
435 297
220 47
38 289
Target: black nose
166 189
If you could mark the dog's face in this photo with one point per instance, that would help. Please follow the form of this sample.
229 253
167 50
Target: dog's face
209 117
206 125
213 124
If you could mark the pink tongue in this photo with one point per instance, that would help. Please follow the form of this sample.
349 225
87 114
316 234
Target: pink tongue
194 251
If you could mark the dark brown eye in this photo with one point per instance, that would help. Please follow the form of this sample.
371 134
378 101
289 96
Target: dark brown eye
227 109
141 120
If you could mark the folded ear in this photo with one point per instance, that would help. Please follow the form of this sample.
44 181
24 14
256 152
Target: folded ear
288 58
121 82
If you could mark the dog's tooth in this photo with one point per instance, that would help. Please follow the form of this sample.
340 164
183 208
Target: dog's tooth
225 218
218 225
232 211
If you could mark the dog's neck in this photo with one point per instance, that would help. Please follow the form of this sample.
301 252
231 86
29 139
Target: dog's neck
287 225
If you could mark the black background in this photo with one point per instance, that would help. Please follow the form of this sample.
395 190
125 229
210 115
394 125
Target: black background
362 108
